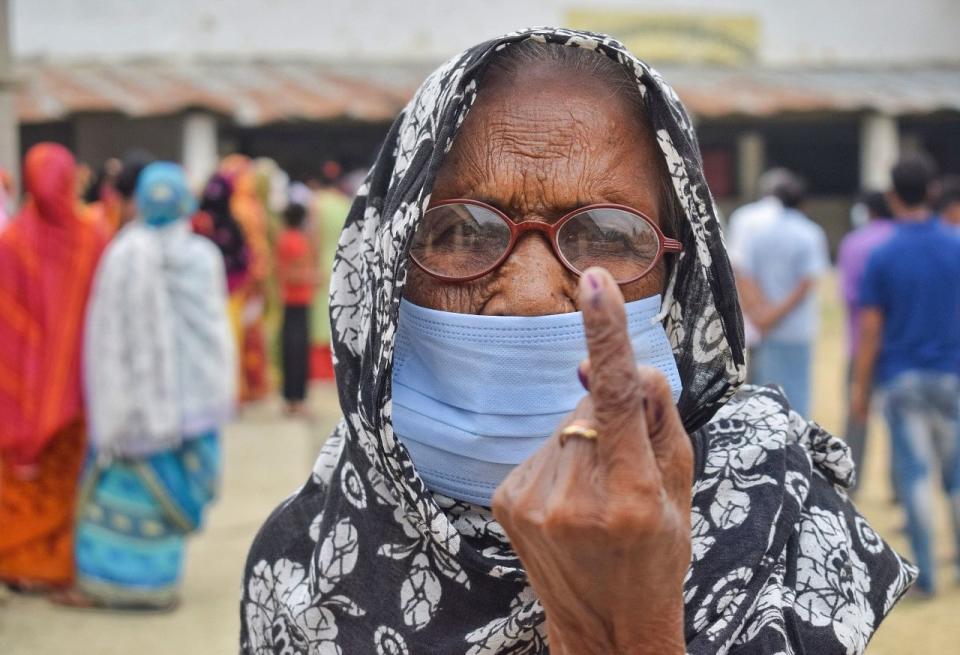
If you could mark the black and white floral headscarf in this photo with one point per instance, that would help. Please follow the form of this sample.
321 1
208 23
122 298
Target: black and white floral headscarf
364 559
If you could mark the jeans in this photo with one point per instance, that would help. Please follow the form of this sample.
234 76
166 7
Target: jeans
788 365
923 412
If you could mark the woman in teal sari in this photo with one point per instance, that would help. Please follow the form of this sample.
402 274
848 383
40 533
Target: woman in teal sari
159 363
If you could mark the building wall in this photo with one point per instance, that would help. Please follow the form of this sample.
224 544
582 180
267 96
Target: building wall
97 137
58 131
301 148
789 32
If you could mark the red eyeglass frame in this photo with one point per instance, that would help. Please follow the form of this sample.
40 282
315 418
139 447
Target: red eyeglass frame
550 230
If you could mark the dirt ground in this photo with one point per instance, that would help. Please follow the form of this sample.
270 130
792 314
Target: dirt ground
267 457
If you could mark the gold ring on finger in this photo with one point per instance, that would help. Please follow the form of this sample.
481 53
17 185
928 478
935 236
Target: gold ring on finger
577 430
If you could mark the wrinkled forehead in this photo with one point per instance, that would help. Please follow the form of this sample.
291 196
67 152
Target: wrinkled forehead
547 133
548 142
433 120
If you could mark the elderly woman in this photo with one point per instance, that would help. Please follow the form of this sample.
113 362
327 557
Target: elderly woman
158 379
536 221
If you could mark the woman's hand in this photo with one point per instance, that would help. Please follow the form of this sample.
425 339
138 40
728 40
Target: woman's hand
602 525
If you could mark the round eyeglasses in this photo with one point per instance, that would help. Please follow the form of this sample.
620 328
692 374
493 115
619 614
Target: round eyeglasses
462 240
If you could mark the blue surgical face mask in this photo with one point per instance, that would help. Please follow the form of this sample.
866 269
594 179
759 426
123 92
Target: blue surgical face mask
473 396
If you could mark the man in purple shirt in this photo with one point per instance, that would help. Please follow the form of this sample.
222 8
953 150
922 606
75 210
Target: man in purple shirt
876 227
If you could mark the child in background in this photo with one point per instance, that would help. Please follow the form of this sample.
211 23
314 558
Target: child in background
296 269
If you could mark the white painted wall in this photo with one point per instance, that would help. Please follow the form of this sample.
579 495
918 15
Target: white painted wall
792 31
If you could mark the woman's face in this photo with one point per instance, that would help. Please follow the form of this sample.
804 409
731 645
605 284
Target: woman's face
536 149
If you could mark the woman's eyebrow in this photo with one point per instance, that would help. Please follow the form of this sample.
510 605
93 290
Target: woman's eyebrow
552 213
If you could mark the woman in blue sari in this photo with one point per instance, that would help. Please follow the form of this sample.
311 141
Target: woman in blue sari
159 361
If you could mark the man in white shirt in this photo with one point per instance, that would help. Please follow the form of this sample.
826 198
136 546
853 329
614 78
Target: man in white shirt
745 222
778 271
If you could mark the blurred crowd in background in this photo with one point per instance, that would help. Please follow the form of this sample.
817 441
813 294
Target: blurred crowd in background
241 209
898 271
138 316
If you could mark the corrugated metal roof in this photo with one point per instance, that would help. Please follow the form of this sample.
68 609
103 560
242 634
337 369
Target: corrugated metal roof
257 92
764 92
252 93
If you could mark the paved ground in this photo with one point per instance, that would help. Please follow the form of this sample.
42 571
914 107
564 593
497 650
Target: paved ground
267 458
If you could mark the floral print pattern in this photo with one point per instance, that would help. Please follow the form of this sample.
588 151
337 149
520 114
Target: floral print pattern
389 642
365 559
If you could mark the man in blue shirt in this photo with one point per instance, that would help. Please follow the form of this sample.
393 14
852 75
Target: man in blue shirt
910 345
777 275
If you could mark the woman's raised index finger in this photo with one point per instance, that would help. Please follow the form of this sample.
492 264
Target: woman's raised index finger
614 381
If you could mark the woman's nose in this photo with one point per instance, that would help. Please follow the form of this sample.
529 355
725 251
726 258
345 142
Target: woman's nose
532 282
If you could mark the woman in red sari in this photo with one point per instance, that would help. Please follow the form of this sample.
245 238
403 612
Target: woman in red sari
48 255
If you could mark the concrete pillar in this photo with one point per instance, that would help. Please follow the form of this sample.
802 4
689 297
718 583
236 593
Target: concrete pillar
200 154
9 125
879 149
751 158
